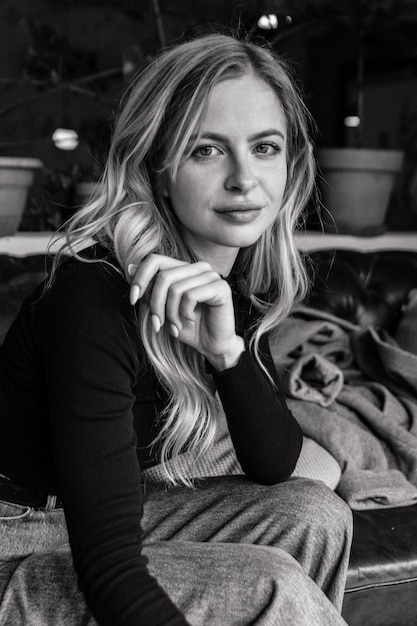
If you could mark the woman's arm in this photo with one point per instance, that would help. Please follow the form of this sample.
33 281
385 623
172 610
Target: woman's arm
196 304
91 359
265 434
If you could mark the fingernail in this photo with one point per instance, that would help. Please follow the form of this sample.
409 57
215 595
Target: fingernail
134 294
174 330
131 269
156 323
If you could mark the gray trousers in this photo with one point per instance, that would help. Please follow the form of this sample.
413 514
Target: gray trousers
229 552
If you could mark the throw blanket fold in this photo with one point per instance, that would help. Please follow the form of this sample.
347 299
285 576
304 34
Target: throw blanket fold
357 397
313 378
381 489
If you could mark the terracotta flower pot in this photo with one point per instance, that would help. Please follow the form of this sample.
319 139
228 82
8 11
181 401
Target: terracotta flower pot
356 188
16 177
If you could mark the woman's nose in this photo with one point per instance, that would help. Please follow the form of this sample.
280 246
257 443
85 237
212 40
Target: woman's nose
241 176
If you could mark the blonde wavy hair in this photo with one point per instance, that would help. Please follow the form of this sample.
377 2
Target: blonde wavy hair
128 214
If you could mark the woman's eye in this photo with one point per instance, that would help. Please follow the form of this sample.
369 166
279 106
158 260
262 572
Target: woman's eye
267 149
206 151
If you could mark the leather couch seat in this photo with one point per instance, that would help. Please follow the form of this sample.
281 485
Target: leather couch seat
372 288
381 587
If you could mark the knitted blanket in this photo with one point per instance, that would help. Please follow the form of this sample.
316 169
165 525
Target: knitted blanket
354 391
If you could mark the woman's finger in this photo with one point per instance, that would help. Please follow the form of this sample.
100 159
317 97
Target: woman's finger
170 306
211 306
166 281
216 294
144 273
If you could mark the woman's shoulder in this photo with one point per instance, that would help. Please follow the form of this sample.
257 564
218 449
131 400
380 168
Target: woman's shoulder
94 269
87 289
86 310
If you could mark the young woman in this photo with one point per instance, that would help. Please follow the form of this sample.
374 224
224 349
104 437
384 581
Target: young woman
148 342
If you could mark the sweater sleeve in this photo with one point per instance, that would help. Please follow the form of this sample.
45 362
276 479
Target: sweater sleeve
265 434
91 369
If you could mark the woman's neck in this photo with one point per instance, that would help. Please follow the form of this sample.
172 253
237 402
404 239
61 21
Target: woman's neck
220 258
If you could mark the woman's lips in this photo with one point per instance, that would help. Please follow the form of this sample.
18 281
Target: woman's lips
239 213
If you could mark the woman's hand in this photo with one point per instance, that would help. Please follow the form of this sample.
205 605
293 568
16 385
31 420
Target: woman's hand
193 302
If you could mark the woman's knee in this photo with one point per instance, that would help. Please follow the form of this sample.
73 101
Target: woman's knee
319 498
298 502
316 504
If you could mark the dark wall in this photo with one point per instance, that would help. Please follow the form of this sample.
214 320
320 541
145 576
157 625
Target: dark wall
84 37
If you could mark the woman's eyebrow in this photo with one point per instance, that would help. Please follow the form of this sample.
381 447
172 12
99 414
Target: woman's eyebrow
223 138
267 133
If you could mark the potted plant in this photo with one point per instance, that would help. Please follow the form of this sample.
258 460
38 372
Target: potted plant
356 186
356 179
16 178
52 73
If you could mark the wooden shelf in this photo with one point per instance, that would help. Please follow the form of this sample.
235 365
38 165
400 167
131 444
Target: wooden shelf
29 243
311 240
26 243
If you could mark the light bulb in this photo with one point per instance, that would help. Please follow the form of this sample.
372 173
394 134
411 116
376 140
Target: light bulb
352 121
65 138
268 22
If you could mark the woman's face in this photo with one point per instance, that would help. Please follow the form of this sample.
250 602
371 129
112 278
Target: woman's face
230 189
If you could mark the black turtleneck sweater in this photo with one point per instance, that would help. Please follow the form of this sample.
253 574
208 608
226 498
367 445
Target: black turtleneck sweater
78 407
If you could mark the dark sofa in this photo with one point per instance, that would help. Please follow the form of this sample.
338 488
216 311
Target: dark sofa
365 288
372 288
